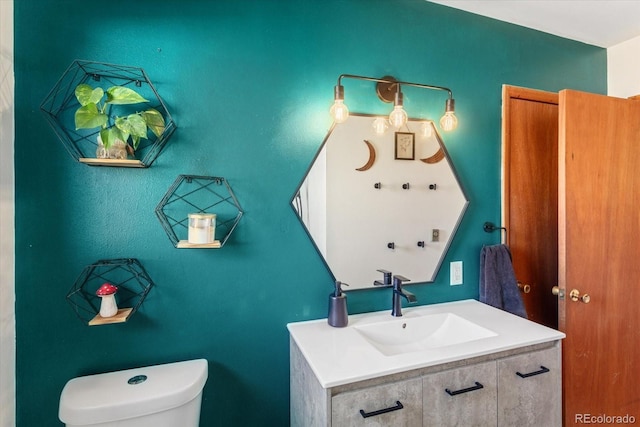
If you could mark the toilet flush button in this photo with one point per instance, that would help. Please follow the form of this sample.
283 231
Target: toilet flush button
137 379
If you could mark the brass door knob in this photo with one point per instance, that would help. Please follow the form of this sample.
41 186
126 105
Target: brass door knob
558 292
524 287
575 296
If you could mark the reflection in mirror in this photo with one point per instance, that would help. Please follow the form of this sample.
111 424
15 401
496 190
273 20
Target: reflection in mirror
388 201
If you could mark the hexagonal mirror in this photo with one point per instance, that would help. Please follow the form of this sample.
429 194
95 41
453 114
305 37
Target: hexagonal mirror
381 201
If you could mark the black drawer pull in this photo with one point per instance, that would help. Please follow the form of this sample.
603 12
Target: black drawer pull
542 370
381 411
478 386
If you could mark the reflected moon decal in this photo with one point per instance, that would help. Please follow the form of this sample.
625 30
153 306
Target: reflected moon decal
372 157
435 158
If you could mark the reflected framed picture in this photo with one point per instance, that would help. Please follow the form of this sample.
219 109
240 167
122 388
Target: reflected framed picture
405 146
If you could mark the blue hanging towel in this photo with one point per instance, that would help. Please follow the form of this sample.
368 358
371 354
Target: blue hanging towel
498 284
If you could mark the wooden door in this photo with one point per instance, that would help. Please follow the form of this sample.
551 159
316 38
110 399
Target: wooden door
598 240
530 195
599 255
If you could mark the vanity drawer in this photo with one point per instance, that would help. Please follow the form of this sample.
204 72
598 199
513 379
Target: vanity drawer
396 404
464 396
530 389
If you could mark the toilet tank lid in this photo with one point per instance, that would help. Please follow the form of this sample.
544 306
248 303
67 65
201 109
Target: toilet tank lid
131 393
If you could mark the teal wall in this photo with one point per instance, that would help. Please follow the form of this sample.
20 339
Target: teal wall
249 84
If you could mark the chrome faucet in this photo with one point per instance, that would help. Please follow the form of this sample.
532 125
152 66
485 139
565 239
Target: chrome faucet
398 292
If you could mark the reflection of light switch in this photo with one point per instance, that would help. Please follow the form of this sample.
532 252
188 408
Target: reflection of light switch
455 274
435 235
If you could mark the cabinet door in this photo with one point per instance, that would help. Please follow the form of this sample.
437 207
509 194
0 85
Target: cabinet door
461 397
529 389
394 405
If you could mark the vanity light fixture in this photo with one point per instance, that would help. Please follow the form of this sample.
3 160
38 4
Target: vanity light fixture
389 90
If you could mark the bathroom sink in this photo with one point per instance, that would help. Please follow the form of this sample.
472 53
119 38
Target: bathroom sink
376 344
420 333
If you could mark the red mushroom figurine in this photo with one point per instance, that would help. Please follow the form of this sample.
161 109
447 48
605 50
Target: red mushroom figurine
108 306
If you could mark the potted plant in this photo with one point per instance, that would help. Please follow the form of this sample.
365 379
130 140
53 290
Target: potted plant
118 135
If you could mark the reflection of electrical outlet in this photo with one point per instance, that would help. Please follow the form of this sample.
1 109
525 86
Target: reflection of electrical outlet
435 235
455 273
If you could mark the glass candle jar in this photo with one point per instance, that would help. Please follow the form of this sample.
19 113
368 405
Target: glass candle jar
202 227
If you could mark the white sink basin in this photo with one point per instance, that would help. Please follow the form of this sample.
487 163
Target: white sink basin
426 332
376 344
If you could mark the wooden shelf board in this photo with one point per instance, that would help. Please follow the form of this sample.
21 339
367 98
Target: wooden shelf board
121 316
112 162
184 244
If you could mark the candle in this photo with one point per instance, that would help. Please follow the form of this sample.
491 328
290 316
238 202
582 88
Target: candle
202 227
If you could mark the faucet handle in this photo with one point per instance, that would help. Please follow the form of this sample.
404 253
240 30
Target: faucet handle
399 279
387 278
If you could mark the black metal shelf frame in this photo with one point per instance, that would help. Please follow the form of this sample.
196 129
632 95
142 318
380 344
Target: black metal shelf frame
198 194
127 274
60 105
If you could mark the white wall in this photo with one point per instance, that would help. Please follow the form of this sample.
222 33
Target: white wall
7 276
623 69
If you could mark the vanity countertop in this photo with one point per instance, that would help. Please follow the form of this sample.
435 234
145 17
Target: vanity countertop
339 356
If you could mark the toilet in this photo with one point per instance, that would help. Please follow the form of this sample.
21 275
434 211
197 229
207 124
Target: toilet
166 395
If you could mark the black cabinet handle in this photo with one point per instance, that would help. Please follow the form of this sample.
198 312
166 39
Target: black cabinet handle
542 370
478 386
381 411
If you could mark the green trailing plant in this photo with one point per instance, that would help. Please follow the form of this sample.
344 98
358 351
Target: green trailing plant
95 109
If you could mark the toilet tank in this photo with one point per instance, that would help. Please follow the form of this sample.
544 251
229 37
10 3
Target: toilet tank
166 395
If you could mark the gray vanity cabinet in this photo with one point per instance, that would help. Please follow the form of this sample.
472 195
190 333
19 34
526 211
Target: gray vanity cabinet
517 387
529 389
396 404
464 396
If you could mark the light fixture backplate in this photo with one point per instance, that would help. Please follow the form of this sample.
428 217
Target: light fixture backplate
386 91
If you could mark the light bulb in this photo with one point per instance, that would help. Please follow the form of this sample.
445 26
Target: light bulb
449 121
380 125
426 130
398 117
339 111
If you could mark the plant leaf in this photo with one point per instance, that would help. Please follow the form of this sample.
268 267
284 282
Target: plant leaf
133 124
154 121
123 124
111 135
136 141
86 94
88 117
123 95
121 135
105 137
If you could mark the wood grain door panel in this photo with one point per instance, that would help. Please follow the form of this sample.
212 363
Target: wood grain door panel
530 195
599 241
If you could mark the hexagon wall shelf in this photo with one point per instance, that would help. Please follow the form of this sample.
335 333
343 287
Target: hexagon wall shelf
127 274
198 194
60 105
